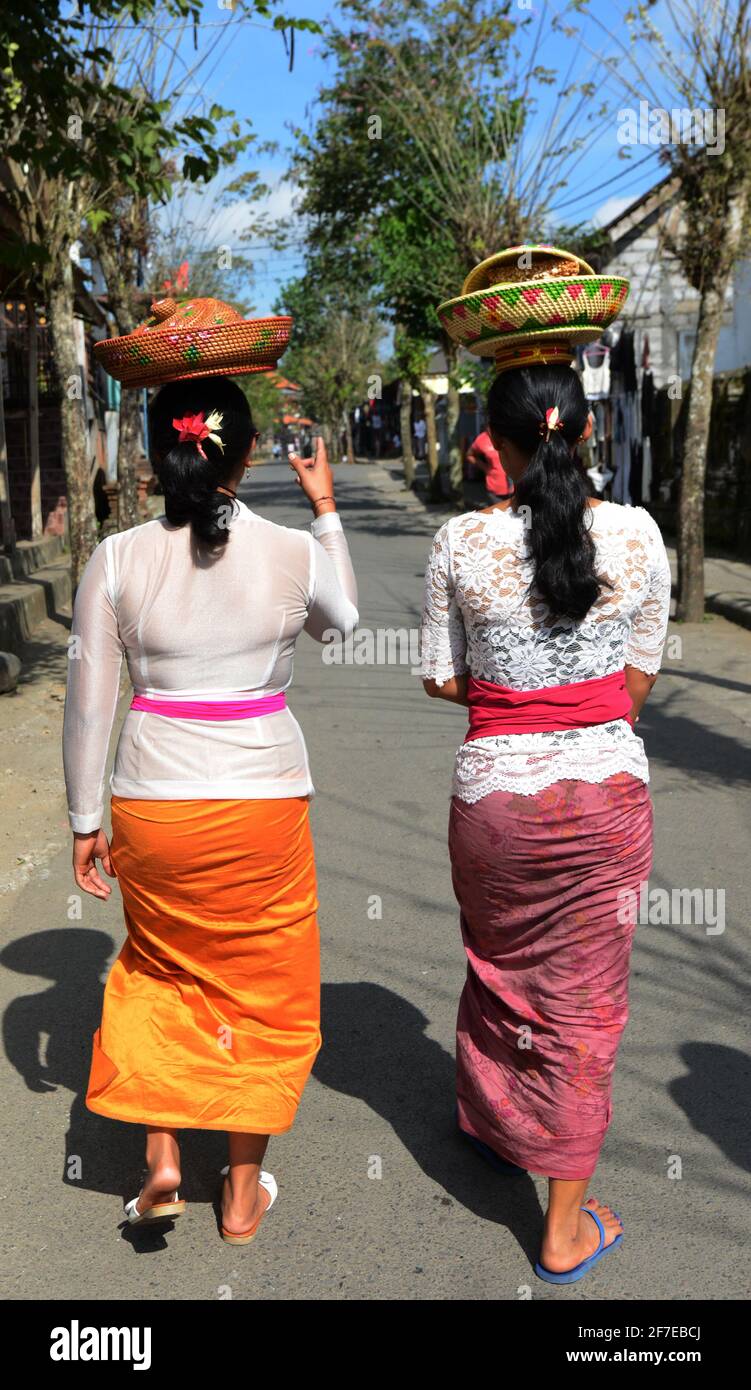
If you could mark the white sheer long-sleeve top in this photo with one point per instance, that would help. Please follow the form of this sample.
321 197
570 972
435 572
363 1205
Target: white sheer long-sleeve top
480 615
193 627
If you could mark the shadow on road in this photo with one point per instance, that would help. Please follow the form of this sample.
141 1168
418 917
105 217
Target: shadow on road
674 740
714 1096
375 1048
47 1038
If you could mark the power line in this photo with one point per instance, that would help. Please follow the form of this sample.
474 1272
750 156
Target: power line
579 196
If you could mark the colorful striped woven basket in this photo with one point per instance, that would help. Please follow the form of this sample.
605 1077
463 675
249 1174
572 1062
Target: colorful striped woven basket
553 301
201 337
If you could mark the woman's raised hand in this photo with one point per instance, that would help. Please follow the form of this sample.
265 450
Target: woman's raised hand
315 478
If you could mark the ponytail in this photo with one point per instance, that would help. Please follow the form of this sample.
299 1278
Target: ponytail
554 485
189 485
189 474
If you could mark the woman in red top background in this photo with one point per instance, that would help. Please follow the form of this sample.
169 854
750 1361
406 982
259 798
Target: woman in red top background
484 455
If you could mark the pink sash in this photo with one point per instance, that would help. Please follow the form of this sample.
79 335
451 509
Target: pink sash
211 709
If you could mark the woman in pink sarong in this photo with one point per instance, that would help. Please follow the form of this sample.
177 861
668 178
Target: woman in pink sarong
565 599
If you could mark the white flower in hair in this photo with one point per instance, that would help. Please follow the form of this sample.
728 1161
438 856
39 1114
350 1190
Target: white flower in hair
213 423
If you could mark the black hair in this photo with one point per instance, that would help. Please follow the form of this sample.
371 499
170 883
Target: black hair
189 482
554 483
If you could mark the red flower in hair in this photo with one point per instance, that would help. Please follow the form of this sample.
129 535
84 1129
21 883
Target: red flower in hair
194 428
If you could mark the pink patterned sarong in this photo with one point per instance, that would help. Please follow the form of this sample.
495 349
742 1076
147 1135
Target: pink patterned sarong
541 1015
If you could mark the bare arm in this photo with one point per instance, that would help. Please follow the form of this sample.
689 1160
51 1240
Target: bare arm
454 690
638 685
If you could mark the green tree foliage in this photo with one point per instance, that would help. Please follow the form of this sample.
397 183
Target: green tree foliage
78 144
421 153
334 351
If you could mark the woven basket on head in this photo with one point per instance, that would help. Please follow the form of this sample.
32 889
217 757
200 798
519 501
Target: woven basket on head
532 296
201 337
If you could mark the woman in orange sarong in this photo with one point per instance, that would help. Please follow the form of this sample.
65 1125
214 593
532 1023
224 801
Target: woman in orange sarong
211 1010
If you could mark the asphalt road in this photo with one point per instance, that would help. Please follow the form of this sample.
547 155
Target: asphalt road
378 1197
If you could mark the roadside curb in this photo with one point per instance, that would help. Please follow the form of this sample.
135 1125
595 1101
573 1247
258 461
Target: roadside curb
24 603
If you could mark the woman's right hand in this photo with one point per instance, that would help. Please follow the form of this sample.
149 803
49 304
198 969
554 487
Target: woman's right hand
315 478
86 850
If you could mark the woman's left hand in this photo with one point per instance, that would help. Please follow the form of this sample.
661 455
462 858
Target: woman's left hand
86 850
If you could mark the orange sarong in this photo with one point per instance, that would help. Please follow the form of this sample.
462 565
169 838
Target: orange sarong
211 1011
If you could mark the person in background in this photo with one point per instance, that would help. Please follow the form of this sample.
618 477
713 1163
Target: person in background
484 455
376 423
419 431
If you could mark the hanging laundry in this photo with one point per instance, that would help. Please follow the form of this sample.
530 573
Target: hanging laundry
648 427
600 477
646 471
596 371
635 474
648 405
623 360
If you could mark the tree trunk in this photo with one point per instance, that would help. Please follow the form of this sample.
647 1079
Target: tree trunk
7 527
335 434
428 405
690 608
35 488
453 407
121 295
405 430
348 432
329 433
690 528
129 450
78 474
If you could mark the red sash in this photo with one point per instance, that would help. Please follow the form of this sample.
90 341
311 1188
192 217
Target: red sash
496 709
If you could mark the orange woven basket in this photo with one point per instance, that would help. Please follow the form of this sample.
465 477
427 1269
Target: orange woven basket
201 337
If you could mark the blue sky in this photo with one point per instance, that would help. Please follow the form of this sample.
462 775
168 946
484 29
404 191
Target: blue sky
253 78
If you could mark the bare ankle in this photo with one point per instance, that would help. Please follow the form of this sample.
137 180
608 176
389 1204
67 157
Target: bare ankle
561 1226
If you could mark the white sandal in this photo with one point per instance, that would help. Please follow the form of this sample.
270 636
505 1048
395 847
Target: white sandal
268 1182
160 1211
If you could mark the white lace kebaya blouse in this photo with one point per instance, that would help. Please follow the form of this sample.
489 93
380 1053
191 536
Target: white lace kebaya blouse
195 628
478 617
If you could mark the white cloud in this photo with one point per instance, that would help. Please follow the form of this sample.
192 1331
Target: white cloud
610 209
212 225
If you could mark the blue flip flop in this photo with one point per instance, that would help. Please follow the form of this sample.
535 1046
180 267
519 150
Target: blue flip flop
570 1276
509 1170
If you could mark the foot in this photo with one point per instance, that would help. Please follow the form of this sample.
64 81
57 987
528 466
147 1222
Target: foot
562 1251
161 1185
239 1214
